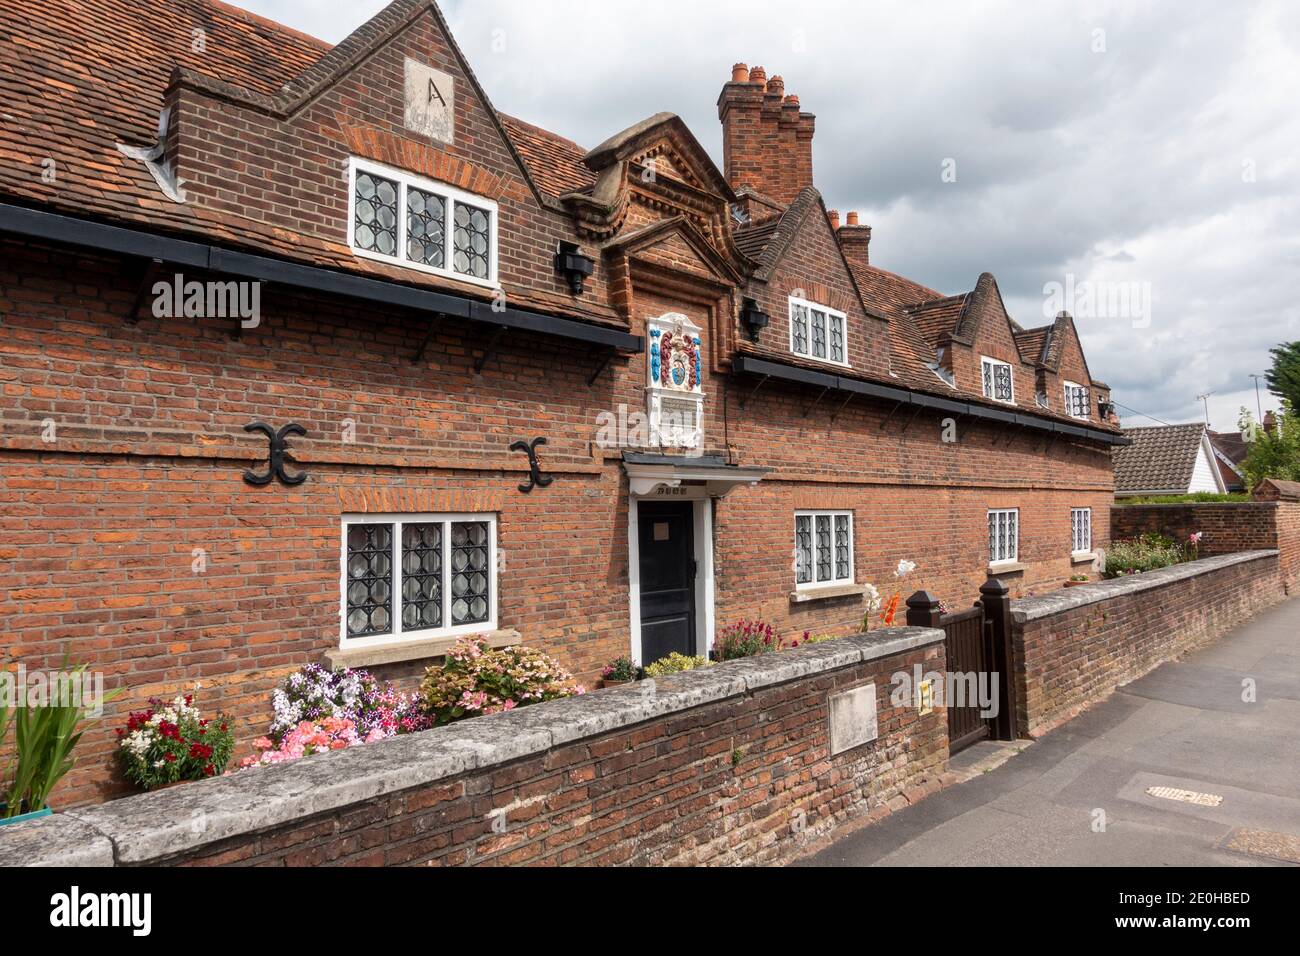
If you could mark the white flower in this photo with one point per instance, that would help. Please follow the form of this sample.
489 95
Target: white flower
873 597
904 568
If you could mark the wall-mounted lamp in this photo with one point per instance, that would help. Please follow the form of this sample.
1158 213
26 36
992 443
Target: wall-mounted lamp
574 266
753 318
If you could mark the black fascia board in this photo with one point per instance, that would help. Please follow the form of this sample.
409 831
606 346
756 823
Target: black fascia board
747 364
55 227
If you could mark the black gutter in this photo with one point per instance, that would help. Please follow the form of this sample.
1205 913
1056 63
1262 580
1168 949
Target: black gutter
53 227
746 364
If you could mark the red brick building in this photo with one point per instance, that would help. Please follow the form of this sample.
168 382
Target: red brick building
209 220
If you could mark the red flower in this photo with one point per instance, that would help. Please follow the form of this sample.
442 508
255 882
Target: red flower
169 757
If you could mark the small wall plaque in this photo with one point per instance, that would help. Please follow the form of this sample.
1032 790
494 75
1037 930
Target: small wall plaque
853 718
430 102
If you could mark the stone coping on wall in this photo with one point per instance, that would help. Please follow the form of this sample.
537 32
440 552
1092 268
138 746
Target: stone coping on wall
1066 599
153 826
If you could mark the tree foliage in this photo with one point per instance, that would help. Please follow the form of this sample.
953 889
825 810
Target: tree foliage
1284 377
1275 453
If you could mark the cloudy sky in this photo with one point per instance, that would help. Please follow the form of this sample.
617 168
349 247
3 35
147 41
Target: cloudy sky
1136 164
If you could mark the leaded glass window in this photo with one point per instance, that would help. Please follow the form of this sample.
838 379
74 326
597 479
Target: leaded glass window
426 227
997 380
421 576
818 334
440 568
803 549
1076 400
823 546
469 572
375 214
799 329
1004 543
1081 530
422 224
470 241
369 579
837 338
843 548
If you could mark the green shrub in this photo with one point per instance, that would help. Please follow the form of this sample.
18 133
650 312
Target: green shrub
1197 497
1137 555
746 639
675 663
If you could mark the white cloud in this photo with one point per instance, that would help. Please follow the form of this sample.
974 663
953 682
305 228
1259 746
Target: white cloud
1122 165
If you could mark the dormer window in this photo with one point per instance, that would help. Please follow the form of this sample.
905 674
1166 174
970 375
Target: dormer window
1076 400
421 224
998 383
818 332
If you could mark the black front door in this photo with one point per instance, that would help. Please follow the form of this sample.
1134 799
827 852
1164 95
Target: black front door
666 530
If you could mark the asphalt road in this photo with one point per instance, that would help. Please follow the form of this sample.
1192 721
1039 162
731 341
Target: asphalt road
1184 726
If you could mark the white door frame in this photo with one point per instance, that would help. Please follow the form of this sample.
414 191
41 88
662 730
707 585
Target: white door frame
702 514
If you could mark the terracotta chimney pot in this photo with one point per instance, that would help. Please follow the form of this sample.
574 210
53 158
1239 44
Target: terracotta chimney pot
739 73
758 75
835 219
853 219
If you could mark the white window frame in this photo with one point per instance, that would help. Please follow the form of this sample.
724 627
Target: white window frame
451 194
1014 557
1074 531
398 633
830 315
1070 388
833 581
1011 378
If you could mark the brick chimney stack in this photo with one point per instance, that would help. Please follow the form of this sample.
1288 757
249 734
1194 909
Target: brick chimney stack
855 240
766 137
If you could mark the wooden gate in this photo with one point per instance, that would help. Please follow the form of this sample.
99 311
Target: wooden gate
979 656
968 651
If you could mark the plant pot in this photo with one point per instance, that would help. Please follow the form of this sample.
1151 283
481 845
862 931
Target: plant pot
607 682
1076 584
33 815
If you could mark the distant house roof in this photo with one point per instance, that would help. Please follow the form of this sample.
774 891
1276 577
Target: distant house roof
1230 451
1160 460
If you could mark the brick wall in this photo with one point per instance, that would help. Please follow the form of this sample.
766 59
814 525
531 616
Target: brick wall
1074 647
733 767
1226 527
101 527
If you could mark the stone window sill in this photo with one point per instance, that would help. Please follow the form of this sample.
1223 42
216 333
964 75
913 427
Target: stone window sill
1082 557
1005 567
827 592
413 650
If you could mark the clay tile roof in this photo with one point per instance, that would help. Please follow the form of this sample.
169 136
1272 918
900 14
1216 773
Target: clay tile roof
555 162
1032 342
752 238
1160 459
92 75
938 318
888 294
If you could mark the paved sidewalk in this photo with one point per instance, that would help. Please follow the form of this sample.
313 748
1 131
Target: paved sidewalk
1183 726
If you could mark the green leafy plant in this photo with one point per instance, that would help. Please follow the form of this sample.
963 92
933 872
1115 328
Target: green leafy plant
1196 497
1147 553
1272 452
675 663
746 639
477 679
171 742
620 669
45 737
